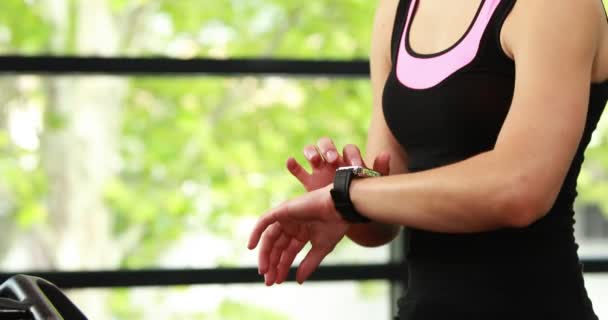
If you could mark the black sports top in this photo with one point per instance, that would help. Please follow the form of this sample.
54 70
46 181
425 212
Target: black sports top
449 106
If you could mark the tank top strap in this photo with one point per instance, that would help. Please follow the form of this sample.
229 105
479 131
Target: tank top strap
398 26
496 25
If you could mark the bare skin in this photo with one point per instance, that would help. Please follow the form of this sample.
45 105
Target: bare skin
560 48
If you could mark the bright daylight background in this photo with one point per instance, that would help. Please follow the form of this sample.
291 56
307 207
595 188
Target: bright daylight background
104 172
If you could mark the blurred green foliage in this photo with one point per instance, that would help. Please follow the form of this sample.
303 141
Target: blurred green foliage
208 131
232 310
198 153
204 152
240 153
278 28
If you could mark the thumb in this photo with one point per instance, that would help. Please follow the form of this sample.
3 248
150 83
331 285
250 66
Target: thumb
382 163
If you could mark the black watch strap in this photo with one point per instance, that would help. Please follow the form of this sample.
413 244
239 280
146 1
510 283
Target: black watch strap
341 196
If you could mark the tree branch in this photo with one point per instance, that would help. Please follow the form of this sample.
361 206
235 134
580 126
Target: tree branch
131 22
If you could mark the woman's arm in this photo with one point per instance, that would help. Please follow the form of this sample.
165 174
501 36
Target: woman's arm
380 139
510 186
554 46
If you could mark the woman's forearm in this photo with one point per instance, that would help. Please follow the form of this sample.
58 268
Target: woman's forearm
376 234
474 195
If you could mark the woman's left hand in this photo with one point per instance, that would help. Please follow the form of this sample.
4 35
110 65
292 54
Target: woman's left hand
285 230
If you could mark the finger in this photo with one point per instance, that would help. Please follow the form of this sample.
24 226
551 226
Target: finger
328 150
310 206
279 246
352 155
287 258
312 155
382 163
263 223
298 171
270 277
310 263
268 242
320 154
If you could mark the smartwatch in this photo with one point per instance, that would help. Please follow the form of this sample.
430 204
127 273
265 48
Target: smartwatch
341 191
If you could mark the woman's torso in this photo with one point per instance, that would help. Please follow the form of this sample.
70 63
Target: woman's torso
445 99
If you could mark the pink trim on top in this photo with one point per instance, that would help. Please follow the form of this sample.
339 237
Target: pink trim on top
427 72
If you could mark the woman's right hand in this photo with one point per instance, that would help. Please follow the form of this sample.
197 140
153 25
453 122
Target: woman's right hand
325 159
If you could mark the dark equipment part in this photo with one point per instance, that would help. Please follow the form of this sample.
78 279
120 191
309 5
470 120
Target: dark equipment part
25 297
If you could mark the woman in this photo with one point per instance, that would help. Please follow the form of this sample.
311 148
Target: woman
482 110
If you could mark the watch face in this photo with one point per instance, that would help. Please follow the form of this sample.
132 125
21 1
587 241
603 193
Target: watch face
361 171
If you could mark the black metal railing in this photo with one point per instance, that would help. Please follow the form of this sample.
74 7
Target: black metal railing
55 65
172 277
161 66
166 66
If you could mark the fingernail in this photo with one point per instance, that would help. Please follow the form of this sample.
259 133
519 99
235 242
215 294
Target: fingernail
309 154
331 156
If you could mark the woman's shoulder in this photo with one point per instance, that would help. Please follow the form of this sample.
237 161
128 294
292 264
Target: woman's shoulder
577 22
384 20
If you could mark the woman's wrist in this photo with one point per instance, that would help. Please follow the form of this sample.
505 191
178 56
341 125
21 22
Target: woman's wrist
357 196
